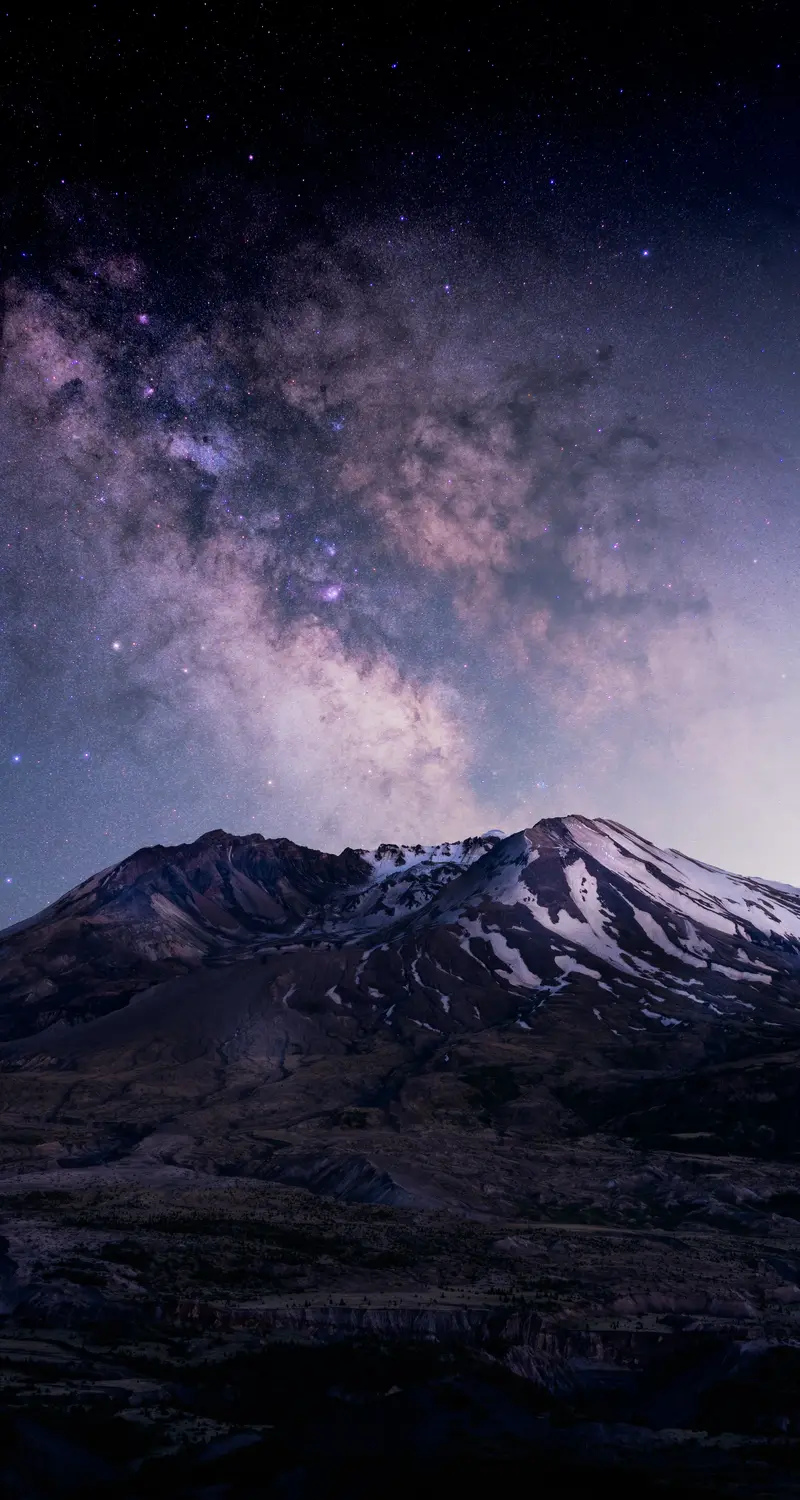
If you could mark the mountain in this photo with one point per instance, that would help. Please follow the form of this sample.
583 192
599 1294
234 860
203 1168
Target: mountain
167 911
527 1103
621 975
568 896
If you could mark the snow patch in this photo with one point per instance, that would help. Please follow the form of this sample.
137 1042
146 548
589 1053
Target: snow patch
654 1016
754 963
569 965
588 931
737 974
658 936
512 958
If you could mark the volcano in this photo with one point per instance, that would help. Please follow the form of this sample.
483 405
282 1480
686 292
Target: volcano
510 1123
622 983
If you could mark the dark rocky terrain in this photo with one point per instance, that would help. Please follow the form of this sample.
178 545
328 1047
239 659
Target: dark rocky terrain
478 1157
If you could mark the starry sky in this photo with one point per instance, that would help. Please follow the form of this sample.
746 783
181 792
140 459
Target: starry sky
398 429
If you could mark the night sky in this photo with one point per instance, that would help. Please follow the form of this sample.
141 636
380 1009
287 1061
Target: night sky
398 429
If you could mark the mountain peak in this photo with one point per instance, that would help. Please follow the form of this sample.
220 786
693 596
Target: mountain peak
515 921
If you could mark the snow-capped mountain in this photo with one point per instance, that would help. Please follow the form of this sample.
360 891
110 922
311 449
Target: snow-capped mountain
575 896
165 911
482 932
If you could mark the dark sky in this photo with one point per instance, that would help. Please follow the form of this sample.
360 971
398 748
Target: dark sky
398 427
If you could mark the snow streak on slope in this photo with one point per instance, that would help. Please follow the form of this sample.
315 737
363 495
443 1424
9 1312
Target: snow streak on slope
701 892
590 930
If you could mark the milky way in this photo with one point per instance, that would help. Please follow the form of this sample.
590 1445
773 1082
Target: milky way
421 533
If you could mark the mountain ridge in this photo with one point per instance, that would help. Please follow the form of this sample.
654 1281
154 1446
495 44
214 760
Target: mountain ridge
575 952
578 889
